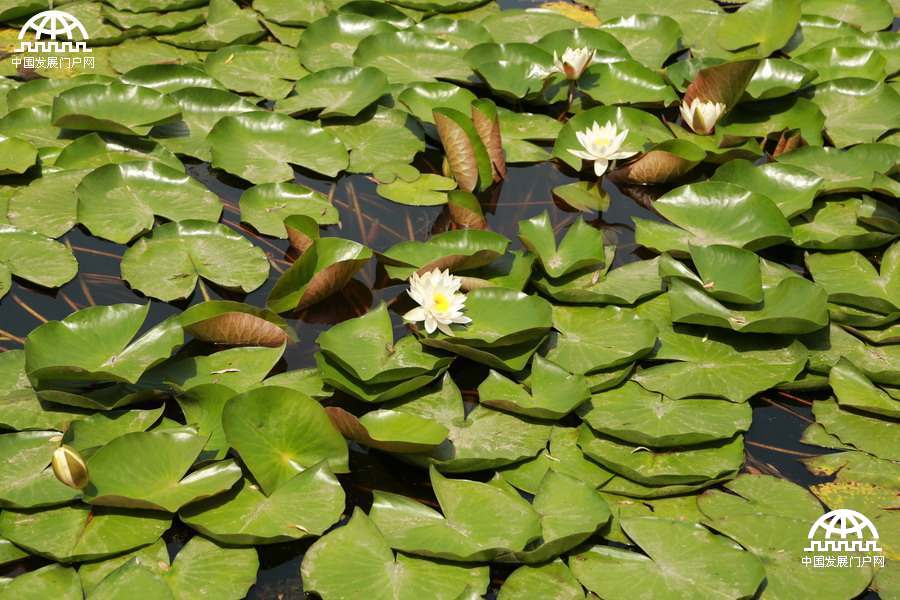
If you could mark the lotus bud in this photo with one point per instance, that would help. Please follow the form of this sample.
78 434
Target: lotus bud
69 467
573 62
702 116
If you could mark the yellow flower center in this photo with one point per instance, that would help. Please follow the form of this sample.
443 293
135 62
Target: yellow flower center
441 302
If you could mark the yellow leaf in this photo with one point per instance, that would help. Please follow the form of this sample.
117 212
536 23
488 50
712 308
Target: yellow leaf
582 14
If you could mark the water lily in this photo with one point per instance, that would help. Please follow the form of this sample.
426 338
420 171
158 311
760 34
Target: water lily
440 303
701 116
69 467
573 62
601 145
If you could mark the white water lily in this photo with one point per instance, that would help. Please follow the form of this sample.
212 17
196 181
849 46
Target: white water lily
601 145
573 62
440 303
701 116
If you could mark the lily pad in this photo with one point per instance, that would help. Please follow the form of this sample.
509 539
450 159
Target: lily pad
279 432
267 70
114 108
331 41
854 390
33 257
790 187
226 23
48 205
427 189
267 205
458 251
80 532
551 392
323 269
866 433
259 146
337 92
855 109
849 278
356 558
28 481
307 504
54 581
580 248
227 322
149 470
637 416
672 548
385 136
118 202
168 263
409 56
389 430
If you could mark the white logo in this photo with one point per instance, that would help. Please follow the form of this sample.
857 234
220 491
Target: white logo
49 25
845 531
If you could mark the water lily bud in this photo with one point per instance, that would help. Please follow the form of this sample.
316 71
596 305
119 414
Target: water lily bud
69 467
701 116
573 62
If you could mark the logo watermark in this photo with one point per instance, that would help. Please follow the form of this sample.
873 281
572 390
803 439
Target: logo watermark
843 538
59 40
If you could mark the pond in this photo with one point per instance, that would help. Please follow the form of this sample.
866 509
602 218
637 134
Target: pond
848 105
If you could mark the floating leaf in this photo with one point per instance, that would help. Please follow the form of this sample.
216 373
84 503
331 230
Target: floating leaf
48 205
114 107
227 23
356 558
167 263
323 269
331 41
790 187
389 430
427 189
52 581
763 25
28 480
854 390
457 251
409 56
649 38
267 70
149 470
552 391
18 155
866 433
267 205
469 160
226 322
850 278
307 504
279 432
385 136
855 109
338 92
259 145
118 202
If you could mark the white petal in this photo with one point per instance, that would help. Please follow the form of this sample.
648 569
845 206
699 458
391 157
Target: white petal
445 329
415 315
430 323
580 154
623 154
600 166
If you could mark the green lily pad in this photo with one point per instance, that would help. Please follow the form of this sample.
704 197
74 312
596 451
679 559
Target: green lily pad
365 347
267 70
118 202
645 418
626 81
625 285
389 430
52 581
879 363
553 580
482 439
305 505
148 23
422 98
168 263
259 146
385 136
512 70
427 189
92 151
580 248
777 77
33 257
855 109
853 389
866 433
171 77
761 25
790 187
28 481
849 278
717 365
227 23
861 168
664 466
201 109
237 368
551 392
103 427
48 205
80 532
331 41
590 339
97 344
649 38
356 558
337 92
713 213
846 224
525 25
18 155
409 56
457 250
583 195
202 407
114 108
323 269
673 548
139 52
267 205
771 517
868 15
279 432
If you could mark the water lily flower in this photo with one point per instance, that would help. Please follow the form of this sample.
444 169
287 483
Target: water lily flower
69 467
601 145
573 62
701 116
440 303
